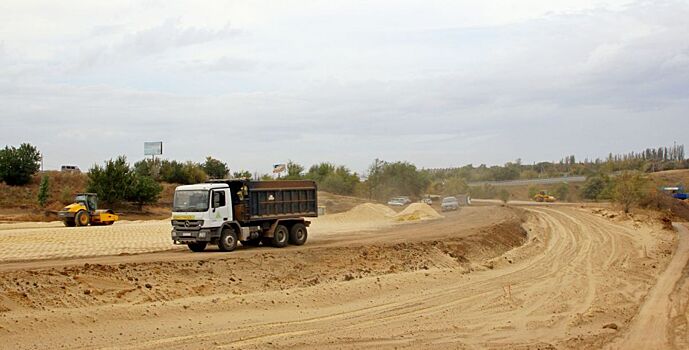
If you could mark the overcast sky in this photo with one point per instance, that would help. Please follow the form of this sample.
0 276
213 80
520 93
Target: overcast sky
437 83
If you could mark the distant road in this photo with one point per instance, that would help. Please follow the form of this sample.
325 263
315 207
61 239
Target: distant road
551 180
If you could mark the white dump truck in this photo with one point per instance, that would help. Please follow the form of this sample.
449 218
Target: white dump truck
224 212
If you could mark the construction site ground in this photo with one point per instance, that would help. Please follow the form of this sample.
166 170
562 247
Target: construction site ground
490 276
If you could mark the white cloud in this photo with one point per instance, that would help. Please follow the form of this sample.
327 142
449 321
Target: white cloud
444 83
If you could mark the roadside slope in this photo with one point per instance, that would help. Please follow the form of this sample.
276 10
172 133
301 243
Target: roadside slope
578 273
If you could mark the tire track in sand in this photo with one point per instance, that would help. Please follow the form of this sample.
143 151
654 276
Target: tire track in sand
555 294
651 329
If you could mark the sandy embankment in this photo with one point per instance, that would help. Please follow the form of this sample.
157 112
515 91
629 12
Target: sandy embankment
32 241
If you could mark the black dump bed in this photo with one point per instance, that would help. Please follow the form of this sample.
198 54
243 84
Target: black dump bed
267 200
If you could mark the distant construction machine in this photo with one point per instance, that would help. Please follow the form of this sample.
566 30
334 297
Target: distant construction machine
84 211
542 196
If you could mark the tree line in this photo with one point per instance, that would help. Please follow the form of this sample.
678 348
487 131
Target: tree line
116 180
646 161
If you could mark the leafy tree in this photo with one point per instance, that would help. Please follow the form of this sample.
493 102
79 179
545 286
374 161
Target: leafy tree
193 173
629 189
242 174
562 192
504 195
398 178
43 191
509 172
334 179
454 186
172 172
374 181
487 191
294 171
17 165
182 173
148 167
215 168
319 172
111 182
143 190
596 187
341 181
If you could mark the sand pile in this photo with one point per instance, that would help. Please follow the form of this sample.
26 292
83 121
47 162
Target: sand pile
417 211
366 212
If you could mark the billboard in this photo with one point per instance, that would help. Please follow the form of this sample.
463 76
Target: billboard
278 168
153 148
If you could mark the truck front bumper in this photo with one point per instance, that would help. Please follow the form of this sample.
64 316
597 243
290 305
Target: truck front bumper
191 236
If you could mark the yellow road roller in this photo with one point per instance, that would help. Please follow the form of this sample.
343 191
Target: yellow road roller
84 211
543 196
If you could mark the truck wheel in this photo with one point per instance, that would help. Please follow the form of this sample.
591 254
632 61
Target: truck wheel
297 235
228 240
252 242
69 222
280 236
197 247
82 218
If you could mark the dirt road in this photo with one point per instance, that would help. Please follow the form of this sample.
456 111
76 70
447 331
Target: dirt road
577 281
662 320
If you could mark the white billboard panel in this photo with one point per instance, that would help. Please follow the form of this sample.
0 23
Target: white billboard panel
153 148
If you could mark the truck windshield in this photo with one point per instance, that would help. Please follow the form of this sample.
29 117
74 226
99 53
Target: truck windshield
195 200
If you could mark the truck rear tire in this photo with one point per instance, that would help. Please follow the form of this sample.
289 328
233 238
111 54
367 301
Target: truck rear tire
81 218
228 240
298 234
280 237
197 247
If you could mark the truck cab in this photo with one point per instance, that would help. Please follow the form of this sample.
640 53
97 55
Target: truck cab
225 212
199 209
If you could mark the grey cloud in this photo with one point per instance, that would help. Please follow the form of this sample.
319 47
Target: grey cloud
224 64
156 40
536 90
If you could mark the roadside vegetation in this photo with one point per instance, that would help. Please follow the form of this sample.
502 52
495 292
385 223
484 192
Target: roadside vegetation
19 164
647 161
623 179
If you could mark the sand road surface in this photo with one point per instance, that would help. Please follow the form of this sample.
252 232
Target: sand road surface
486 277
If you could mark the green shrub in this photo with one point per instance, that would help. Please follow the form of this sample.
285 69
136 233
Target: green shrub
43 191
143 190
18 165
215 169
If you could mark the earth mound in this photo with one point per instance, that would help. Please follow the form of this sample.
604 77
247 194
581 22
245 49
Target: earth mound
418 211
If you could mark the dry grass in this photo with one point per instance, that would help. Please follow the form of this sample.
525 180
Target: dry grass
63 186
671 177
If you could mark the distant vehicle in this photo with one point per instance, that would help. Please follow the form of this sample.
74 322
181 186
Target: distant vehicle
449 203
464 199
398 202
70 169
676 192
84 211
427 200
543 196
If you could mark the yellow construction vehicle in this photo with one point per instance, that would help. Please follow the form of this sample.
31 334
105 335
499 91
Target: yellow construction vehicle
84 211
543 196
